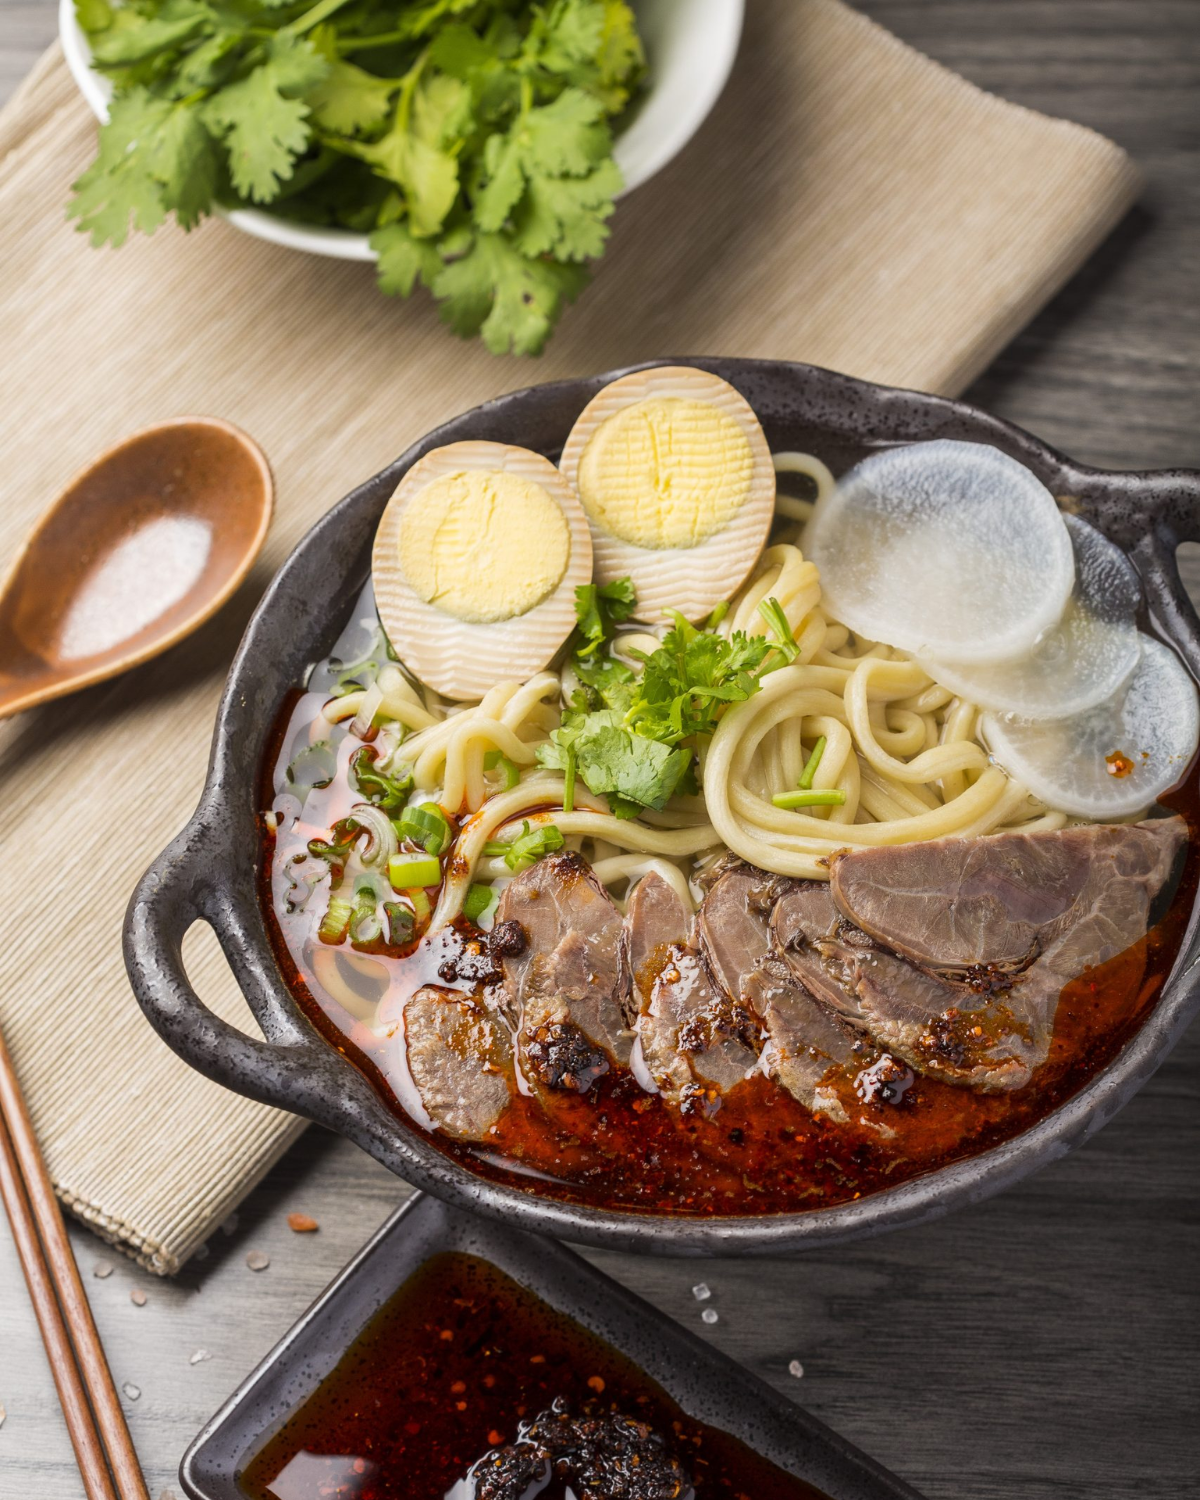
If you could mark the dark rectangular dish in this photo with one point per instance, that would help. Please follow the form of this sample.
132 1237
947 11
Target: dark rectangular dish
708 1385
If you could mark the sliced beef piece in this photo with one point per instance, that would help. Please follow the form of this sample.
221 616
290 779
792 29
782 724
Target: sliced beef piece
981 1011
565 984
997 902
655 919
806 1043
732 924
460 1059
696 1044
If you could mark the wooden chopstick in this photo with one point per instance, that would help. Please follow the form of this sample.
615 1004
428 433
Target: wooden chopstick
81 1373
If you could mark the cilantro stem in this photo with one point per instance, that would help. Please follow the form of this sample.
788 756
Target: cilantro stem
319 12
366 43
790 800
569 782
811 764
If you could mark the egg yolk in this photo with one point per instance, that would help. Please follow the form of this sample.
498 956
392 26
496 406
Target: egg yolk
666 472
483 546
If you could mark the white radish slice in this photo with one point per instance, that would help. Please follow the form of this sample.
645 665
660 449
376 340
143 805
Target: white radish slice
950 550
1082 660
1114 759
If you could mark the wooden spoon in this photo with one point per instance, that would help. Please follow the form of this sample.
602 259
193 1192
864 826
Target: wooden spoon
142 547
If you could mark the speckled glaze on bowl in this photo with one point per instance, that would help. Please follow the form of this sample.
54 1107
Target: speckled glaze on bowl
208 871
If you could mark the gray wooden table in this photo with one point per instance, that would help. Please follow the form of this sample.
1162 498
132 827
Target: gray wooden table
1041 1345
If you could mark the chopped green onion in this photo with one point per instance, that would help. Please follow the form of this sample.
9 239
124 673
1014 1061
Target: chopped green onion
718 614
569 781
336 852
365 925
426 824
336 920
791 800
783 640
512 772
479 901
811 764
408 870
527 848
401 922
421 906
386 792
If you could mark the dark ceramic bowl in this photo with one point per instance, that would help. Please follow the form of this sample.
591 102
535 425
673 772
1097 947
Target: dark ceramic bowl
208 872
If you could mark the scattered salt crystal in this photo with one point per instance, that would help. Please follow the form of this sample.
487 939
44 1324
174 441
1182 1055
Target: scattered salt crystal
3 1414
131 1390
257 1261
796 1369
166 1495
200 1252
102 1268
701 1292
229 1225
199 1357
710 1315
137 1297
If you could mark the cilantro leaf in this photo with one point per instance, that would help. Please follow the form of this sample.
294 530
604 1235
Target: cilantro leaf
511 300
612 760
600 606
403 258
565 216
263 121
349 99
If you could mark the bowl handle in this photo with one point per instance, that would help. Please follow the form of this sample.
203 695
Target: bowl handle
177 890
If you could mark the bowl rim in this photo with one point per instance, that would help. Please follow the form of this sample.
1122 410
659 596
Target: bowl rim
209 870
726 21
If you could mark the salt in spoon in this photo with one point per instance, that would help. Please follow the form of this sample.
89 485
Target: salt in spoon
140 548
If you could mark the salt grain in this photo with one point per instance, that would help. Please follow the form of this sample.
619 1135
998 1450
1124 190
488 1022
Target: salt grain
701 1292
796 1369
200 1252
710 1315
131 1390
229 1226
199 1357
167 1495
137 1297
3 1414
102 1268
257 1261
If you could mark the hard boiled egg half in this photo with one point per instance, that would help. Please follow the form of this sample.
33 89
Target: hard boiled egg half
475 566
677 483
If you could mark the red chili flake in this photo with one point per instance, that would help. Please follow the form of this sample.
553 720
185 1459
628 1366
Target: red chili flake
302 1223
489 1381
447 1334
537 1359
1118 765
595 1383
460 1406
458 1387
495 1437
412 1428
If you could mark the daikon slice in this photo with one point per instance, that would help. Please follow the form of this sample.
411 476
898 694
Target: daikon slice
1116 758
1080 661
950 550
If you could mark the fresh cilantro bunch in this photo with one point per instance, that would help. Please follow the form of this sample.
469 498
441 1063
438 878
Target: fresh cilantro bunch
469 138
632 737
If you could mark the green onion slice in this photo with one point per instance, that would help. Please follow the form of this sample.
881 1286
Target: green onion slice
512 772
792 800
336 920
480 899
811 764
408 870
426 824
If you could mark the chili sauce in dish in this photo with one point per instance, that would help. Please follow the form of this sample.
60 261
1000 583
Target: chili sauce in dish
443 1394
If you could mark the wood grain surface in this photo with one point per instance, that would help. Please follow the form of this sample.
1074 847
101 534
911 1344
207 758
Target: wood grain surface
1041 1345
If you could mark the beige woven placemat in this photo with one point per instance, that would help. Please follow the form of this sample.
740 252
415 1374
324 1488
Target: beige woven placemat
848 203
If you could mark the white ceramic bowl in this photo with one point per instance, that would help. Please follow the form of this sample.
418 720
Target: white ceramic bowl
690 46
